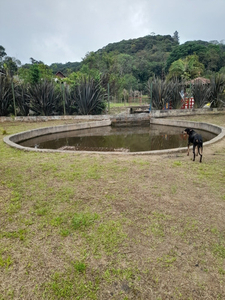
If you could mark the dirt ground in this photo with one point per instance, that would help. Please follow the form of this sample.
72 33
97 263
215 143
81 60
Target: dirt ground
112 227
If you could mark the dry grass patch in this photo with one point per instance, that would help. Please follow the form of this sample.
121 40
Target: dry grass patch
105 227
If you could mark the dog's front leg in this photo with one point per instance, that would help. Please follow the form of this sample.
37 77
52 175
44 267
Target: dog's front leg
188 149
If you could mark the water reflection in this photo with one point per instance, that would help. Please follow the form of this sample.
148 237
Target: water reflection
132 139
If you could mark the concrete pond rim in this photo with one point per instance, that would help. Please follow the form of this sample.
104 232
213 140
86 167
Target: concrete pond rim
14 139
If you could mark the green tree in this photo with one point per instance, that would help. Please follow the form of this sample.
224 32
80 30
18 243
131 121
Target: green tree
34 74
176 37
187 68
11 64
186 49
123 64
2 54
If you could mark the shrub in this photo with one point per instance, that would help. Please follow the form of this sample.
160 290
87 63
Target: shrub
6 98
44 99
89 95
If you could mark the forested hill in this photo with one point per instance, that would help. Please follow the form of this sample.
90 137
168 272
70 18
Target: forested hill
148 56
66 68
150 43
129 64
151 48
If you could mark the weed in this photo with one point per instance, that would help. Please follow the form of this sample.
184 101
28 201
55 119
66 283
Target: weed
93 172
173 189
65 194
13 208
62 287
5 262
41 211
80 266
158 223
219 250
65 232
83 220
166 260
214 230
190 226
57 221
70 285
177 163
105 237
14 234
110 196
221 271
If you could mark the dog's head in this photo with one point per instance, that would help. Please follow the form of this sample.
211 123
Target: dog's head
188 131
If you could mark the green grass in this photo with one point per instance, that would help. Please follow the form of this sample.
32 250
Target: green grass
5 261
113 104
83 220
97 227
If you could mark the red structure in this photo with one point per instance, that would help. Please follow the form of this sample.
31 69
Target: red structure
187 103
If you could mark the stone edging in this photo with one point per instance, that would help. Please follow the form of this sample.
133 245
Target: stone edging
12 140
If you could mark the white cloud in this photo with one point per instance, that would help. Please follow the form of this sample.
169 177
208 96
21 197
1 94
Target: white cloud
61 31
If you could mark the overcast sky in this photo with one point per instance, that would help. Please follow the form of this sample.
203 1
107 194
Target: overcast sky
65 30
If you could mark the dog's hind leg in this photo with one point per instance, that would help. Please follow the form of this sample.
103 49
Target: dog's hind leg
196 151
193 152
200 158
200 150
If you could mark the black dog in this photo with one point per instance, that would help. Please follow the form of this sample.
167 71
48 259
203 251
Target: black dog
195 139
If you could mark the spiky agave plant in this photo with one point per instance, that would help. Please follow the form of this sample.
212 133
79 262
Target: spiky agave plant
157 89
6 98
89 95
22 99
69 105
201 93
173 90
44 99
217 85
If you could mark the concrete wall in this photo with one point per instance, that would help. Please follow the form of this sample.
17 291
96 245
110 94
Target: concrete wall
130 120
219 131
53 118
123 117
185 112
187 124
125 120
12 140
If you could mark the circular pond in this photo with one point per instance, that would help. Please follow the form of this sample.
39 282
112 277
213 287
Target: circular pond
118 139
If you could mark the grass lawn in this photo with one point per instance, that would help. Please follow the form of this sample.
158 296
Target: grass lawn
111 227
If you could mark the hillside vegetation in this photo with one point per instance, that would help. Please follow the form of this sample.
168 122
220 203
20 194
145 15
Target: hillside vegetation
154 65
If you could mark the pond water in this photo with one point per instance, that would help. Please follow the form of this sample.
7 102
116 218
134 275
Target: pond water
125 139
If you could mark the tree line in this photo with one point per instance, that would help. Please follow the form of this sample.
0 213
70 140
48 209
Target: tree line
156 65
